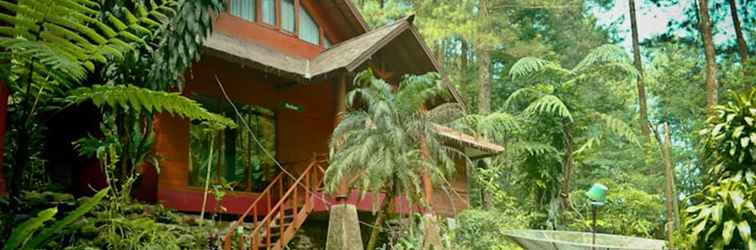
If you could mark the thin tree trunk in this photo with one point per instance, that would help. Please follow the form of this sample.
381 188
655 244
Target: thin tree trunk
639 66
380 219
711 68
484 93
670 174
464 61
665 146
568 165
742 47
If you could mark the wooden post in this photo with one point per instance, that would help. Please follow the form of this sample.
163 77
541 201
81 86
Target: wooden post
342 194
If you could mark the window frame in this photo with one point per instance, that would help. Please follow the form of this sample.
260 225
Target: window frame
278 26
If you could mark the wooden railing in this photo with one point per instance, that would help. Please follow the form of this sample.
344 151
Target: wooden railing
281 220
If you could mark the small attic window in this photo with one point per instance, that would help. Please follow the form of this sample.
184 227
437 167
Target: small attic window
287 15
308 29
269 12
244 9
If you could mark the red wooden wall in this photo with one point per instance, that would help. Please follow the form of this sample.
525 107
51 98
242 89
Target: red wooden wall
299 134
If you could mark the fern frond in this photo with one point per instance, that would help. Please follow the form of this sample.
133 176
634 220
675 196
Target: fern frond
618 127
549 104
530 66
602 55
140 99
533 148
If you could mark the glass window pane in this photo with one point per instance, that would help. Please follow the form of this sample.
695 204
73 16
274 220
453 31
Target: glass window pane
269 11
287 15
308 29
244 9
239 155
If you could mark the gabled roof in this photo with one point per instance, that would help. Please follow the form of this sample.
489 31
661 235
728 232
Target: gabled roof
348 55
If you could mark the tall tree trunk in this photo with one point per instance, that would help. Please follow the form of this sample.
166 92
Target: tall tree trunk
639 66
564 193
484 93
484 72
711 67
484 67
742 47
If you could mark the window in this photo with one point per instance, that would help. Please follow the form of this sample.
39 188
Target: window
287 15
308 29
236 159
244 9
269 11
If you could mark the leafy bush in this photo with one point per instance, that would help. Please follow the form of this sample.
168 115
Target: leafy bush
726 206
21 237
484 230
628 211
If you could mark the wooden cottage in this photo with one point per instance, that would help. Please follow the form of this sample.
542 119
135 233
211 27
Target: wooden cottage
285 66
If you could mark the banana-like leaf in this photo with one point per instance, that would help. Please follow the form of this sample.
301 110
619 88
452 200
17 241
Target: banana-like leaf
58 226
21 233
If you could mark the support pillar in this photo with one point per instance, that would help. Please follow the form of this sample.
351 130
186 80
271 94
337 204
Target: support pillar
344 228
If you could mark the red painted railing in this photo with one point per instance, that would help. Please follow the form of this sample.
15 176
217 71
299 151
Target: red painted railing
283 219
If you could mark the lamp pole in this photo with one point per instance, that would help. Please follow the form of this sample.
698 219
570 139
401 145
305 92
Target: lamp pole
597 196
595 207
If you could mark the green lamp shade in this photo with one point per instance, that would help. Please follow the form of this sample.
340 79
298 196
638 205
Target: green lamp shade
597 194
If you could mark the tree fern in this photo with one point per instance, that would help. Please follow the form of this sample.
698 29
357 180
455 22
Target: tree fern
549 104
68 37
530 66
145 100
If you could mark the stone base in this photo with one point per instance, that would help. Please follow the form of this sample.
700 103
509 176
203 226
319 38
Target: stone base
431 233
344 228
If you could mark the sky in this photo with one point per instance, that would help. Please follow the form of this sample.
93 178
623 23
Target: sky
652 20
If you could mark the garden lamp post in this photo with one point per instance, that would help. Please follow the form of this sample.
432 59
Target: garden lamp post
597 196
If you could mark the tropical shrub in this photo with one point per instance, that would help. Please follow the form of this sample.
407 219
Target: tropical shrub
24 237
483 230
723 214
628 211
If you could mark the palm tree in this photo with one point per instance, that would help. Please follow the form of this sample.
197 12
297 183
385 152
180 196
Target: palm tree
386 141
558 99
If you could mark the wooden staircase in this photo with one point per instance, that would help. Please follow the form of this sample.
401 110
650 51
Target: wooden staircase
279 223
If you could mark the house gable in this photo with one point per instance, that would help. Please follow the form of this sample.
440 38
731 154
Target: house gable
298 28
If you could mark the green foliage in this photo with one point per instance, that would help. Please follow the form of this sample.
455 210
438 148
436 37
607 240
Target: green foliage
150 101
730 137
484 230
628 211
20 238
727 204
379 138
21 234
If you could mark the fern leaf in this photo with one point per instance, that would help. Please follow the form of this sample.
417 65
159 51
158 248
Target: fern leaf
117 96
549 104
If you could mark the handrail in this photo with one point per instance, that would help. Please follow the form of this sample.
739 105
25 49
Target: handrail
304 183
268 219
232 228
